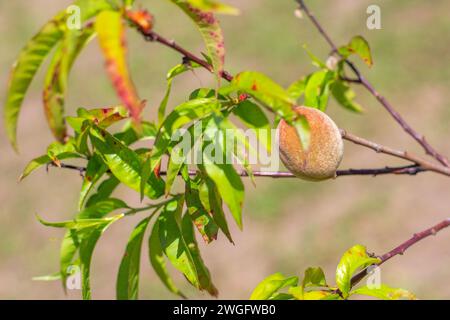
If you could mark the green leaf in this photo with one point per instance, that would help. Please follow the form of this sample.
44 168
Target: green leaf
344 95
174 72
204 276
253 117
33 55
385 292
314 277
79 224
353 260
214 6
44 160
94 172
212 202
128 276
72 239
111 34
55 86
315 60
297 89
271 285
158 262
182 115
265 90
87 247
124 163
104 191
211 32
229 184
201 218
317 90
359 46
51 277
173 243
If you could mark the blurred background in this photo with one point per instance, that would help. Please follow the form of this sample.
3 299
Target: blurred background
289 225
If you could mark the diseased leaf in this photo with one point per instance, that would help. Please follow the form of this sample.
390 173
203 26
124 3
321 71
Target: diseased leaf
211 32
271 285
55 85
33 55
354 259
385 292
204 277
158 262
124 163
344 95
111 34
359 46
128 277
214 6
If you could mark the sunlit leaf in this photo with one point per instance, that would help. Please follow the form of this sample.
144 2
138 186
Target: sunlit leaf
211 32
359 46
344 95
214 6
128 277
111 34
124 163
158 261
354 259
317 89
385 292
55 85
271 285
314 277
34 54
204 277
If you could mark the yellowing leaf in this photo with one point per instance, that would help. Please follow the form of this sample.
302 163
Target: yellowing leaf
214 6
111 35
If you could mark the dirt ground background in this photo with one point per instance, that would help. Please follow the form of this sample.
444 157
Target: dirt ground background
289 225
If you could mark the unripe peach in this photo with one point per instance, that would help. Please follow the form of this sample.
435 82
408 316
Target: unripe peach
326 148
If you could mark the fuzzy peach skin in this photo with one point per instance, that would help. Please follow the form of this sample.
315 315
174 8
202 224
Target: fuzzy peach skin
325 151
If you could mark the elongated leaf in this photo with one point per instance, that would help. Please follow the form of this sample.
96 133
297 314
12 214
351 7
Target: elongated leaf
72 239
344 95
212 202
124 163
94 172
33 55
201 217
182 115
111 35
87 247
229 184
173 243
174 72
317 90
354 259
158 261
44 160
385 292
271 285
55 86
128 276
359 46
104 191
78 224
204 275
214 6
211 32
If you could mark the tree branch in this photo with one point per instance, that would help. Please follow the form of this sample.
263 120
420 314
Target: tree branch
400 250
430 150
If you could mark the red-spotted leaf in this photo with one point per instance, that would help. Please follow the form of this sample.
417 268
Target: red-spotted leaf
214 6
359 46
55 86
211 32
111 34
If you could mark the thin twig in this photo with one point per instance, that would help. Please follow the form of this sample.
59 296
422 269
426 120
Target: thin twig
400 250
430 150
424 164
